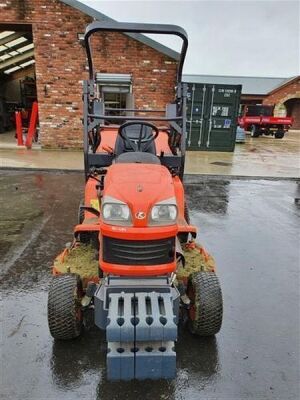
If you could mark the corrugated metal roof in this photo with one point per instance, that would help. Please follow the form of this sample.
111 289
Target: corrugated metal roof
16 51
97 15
250 84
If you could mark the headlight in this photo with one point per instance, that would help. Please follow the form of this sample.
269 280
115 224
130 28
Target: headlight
164 213
115 212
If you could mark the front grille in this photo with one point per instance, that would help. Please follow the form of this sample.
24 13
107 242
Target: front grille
138 252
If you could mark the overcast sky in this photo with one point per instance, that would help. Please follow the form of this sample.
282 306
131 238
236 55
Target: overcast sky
247 38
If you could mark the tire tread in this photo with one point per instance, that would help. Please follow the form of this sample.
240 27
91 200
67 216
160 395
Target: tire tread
62 307
208 304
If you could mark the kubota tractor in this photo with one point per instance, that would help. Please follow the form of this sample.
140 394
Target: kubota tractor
134 259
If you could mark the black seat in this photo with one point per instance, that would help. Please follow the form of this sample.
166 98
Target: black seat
137 157
133 133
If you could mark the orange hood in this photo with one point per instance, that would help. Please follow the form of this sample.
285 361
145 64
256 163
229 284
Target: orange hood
140 186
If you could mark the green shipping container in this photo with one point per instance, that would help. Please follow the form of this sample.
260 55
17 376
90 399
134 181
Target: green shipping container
212 114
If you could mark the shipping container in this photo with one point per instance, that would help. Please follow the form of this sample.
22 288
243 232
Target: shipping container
212 116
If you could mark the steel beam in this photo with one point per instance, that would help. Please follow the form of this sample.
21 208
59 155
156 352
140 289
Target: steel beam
10 38
16 60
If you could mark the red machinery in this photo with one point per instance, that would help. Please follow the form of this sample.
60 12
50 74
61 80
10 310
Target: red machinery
135 262
32 127
259 120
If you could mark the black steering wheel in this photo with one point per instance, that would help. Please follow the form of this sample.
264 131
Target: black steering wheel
136 143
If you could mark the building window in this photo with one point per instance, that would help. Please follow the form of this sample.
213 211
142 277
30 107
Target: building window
114 100
116 92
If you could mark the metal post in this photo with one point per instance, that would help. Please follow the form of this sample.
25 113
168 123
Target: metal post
183 132
32 125
191 116
202 114
85 126
210 116
19 128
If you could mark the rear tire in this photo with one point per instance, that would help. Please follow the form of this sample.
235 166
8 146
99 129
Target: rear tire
206 311
64 306
279 134
80 215
186 213
84 237
254 131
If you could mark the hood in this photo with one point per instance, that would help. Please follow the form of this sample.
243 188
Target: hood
140 186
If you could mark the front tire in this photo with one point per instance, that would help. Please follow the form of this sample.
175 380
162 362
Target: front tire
64 306
206 310
254 131
279 134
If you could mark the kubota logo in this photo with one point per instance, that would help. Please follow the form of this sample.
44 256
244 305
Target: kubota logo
140 215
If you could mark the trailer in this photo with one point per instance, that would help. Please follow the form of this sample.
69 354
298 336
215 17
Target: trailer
259 120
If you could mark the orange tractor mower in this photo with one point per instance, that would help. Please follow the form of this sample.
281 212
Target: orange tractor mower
134 260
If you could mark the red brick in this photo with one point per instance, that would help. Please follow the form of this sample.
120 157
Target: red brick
284 95
60 65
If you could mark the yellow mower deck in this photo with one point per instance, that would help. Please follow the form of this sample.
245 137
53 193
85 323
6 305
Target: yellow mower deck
196 259
78 260
81 260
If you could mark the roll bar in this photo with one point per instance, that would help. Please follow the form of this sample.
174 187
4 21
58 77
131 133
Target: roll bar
126 27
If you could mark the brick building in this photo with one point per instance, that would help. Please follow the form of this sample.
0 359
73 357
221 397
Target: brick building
286 98
42 57
133 69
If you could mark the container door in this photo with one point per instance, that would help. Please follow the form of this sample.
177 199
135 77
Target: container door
196 109
222 118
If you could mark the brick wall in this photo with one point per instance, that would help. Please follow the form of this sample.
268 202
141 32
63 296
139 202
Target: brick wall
284 95
61 66
295 113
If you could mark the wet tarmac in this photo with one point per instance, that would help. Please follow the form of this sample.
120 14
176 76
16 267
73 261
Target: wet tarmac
252 229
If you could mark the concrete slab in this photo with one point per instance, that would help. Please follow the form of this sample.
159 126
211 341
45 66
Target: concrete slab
41 159
258 157
262 157
9 141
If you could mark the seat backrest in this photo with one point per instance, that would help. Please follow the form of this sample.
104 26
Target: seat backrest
138 157
133 132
